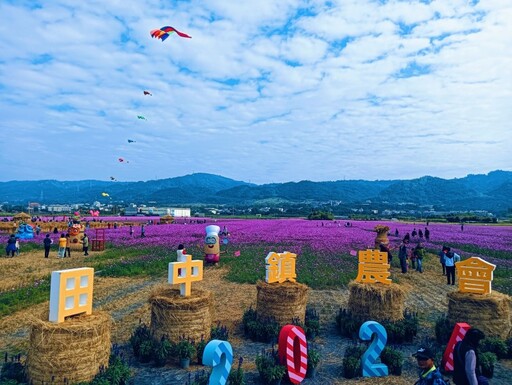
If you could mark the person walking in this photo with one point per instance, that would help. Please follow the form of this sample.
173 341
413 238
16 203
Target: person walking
47 242
419 252
131 230
17 245
441 258
142 231
450 259
11 246
427 233
38 229
429 374
63 241
402 255
67 252
85 243
466 369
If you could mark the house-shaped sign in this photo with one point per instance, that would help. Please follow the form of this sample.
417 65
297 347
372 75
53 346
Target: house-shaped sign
475 275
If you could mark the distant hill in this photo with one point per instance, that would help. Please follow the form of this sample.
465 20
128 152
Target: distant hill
492 192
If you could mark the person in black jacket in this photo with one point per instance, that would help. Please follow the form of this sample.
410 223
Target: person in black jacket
465 359
47 242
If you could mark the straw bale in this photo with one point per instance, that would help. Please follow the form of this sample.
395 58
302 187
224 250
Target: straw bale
377 301
282 301
489 313
73 350
177 316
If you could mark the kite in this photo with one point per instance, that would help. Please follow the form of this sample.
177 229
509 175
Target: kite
121 160
164 32
112 178
148 93
141 117
131 141
104 194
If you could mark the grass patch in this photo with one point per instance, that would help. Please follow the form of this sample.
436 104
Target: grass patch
502 280
499 254
318 271
23 297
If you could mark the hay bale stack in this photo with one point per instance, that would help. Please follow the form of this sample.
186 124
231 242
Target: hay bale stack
489 313
376 301
283 301
73 350
177 316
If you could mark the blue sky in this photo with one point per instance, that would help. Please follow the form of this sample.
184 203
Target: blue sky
266 91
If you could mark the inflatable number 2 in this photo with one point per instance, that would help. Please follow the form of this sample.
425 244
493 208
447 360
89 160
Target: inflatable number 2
218 354
367 330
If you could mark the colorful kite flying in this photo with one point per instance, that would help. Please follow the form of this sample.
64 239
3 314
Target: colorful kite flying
164 32
148 93
141 117
131 141
104 194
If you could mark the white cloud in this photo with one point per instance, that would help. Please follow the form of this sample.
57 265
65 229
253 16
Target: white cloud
266 91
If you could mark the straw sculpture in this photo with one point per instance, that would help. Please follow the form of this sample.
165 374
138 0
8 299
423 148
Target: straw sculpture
71 351
376 302
282 301
490 313
177 316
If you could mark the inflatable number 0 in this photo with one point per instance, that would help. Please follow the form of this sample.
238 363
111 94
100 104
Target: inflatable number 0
370 368
218 354
293 352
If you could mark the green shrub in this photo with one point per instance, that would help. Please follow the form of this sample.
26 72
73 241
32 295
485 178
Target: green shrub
147 350
352 361
398 332
237 376
495 345
141 334
162 350
443 329
313 358
200 346
262 330
219 332
394 359
268 366
509 348
487 361
117 373
311 324
13 371
185 349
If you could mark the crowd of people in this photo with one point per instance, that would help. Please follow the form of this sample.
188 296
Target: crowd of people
64 245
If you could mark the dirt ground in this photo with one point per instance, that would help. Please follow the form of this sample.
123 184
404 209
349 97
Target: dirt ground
127 301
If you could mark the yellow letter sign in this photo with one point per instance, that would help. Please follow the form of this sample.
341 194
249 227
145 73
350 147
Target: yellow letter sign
189 271
373 267
70 293
280 267
475 275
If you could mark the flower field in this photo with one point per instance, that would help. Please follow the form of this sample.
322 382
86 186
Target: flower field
323 247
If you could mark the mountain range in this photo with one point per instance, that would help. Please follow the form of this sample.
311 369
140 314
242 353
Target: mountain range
491 192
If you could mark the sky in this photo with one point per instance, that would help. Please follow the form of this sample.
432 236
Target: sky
265 91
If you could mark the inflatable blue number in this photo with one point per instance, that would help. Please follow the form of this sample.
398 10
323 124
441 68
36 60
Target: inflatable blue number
218 354
367 330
